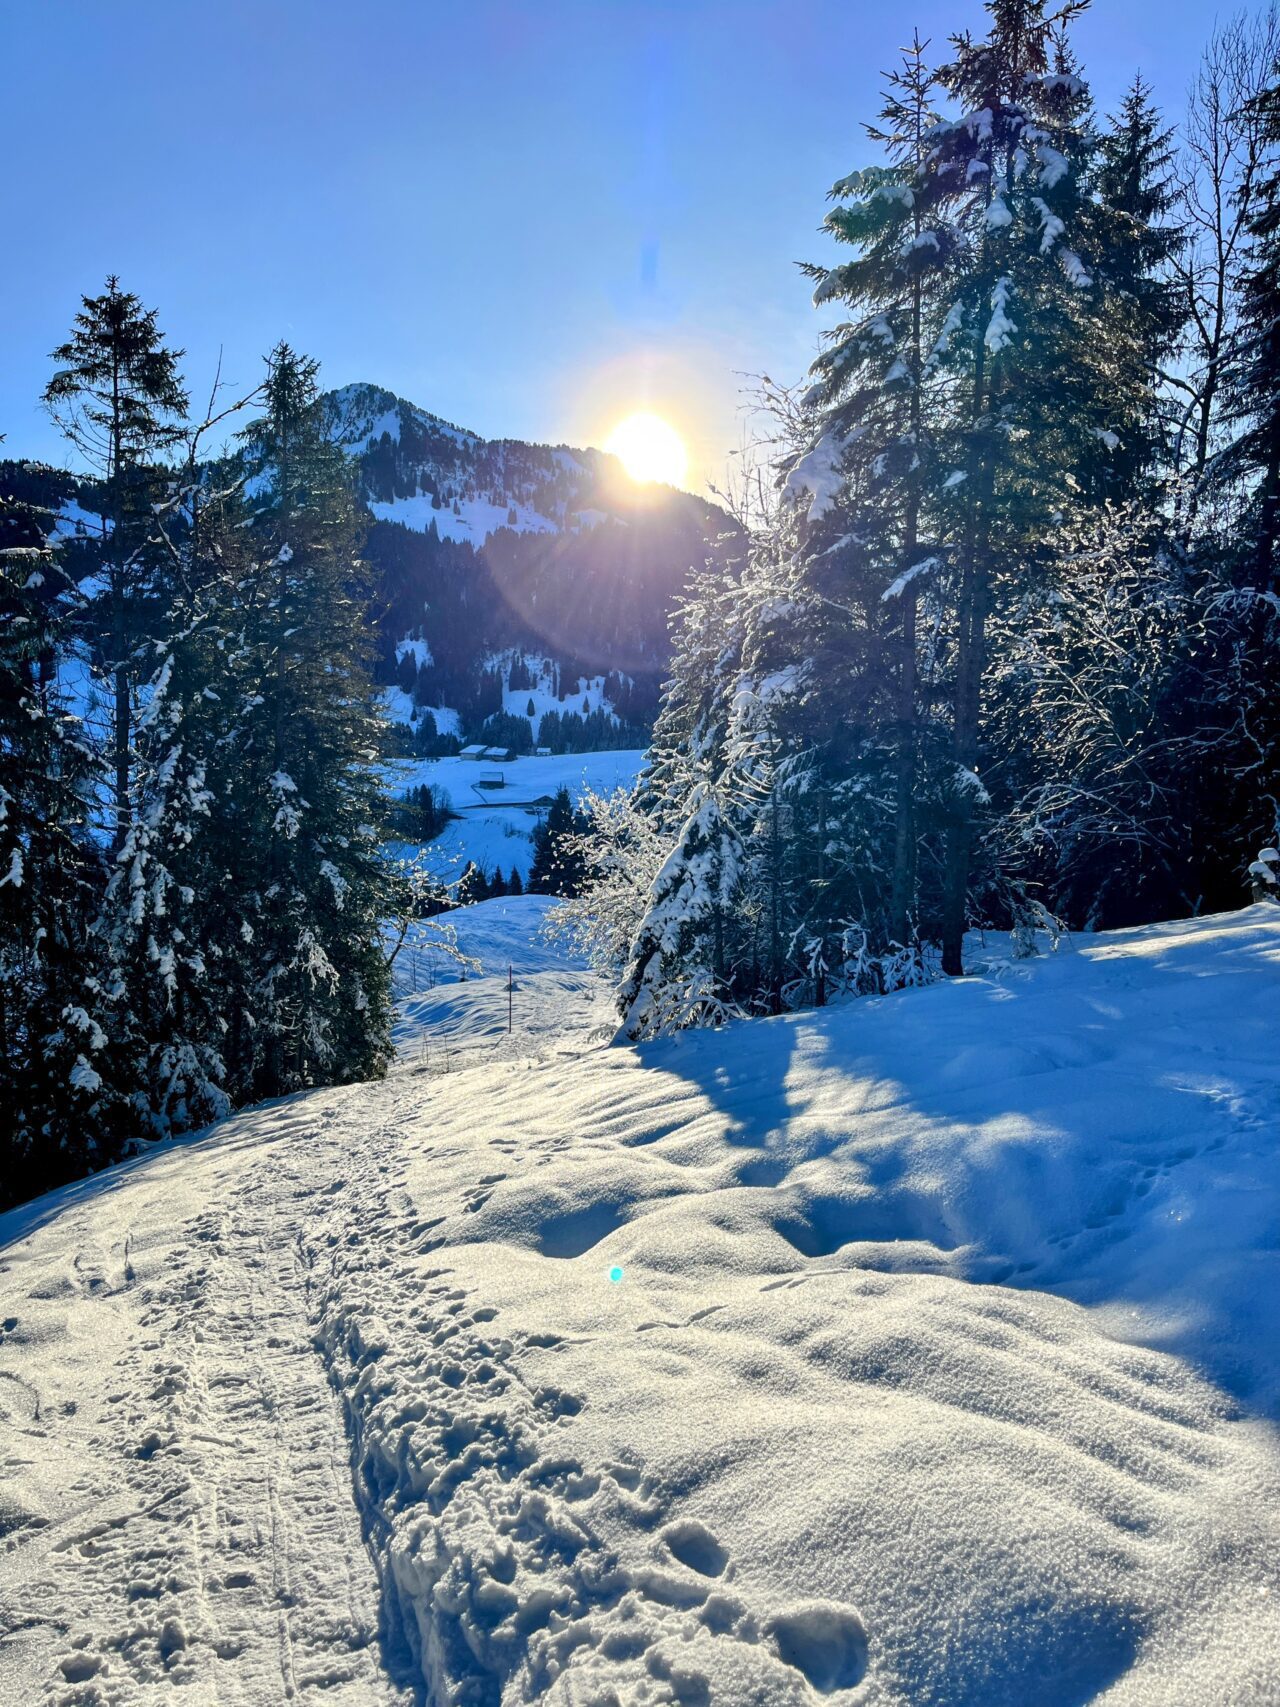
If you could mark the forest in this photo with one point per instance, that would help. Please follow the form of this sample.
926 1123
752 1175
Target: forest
988 641
1005 650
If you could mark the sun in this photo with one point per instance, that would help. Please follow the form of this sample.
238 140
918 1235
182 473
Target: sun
649 448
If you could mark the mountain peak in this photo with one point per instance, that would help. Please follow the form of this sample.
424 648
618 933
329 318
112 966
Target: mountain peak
360 414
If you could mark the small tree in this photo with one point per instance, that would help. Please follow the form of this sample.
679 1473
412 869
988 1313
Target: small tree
558 866
677 972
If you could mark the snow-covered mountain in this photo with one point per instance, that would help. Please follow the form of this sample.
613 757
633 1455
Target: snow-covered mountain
419 470
547 552
488 549
918 1352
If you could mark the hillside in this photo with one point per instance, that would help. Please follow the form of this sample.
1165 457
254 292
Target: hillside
502 570
918 1351
494 552
494 827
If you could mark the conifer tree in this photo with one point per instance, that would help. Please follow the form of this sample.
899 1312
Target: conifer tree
678 973
118 397
1017 344
173 916
50 1042
309 734
873 387
1252 380
1139 239
557 867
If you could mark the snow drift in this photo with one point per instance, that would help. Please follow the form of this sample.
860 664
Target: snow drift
914 1351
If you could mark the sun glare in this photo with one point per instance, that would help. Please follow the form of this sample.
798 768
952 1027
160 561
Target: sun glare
649 448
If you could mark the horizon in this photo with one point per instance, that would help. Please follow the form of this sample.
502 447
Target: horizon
642 258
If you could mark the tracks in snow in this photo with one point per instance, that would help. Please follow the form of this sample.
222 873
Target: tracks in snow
225 1550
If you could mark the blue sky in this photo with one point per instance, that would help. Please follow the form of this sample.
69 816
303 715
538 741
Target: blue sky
529 218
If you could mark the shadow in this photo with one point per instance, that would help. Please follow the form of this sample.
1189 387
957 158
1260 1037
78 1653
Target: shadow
1095 1125
24 1219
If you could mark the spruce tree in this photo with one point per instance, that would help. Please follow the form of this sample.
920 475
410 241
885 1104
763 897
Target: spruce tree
50 875
1253 373
169 925
678 971
118 397
1017 344
1139 238
309 734
877 401
558 862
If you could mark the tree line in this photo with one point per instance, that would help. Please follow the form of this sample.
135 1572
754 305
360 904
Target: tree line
192 888
1006 647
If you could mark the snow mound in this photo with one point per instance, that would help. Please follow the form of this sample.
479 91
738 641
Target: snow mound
913 1353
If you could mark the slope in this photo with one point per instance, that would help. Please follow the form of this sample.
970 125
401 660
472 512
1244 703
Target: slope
915 1351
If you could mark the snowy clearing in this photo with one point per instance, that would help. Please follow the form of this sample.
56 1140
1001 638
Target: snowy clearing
449 1015
494 827
920 1350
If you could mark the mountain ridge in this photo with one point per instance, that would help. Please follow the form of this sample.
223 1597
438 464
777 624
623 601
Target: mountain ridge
520 578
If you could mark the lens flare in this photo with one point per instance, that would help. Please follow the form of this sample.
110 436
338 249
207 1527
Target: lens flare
649 448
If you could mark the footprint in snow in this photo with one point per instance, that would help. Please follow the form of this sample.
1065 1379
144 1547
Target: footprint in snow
824 1641
692 1544
552 1402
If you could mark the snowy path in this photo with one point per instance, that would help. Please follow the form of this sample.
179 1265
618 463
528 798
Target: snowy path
918 1353
179 1481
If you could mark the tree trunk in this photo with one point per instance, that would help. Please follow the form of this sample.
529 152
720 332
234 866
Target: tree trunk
971 618
903 887
119 620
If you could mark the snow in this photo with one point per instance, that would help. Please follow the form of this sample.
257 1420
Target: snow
1000 328
1051 227
476 521
494 827
918 1352
74 521
450 1011
901 582
817 477
415 647
515 701
401 708
398 705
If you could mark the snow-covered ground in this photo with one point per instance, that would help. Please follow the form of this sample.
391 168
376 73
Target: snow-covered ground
512 995
476 519
918 1351
493 827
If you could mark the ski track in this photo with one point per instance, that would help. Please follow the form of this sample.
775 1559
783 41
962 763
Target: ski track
340 1405
223 1550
